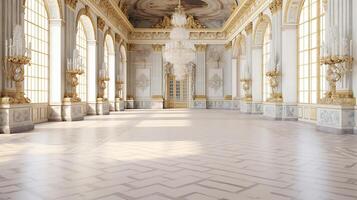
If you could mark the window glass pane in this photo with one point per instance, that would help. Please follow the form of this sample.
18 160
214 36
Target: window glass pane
311 35
81 45
36 32
266 61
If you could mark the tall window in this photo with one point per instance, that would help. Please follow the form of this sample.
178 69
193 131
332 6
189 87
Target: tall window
266 61
310 36
81 45
36 32
109 59
106 61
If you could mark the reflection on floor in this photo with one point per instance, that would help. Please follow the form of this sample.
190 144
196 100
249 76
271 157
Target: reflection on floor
181 154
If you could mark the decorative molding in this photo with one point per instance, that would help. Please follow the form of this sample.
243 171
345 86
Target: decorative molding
118 39
228 45
100 23
249 28
71 3
157 47
275 6
201 47
192 23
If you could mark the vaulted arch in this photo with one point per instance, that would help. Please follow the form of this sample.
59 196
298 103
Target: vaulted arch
262 24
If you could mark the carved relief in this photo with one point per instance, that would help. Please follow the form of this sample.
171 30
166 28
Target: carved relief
72 3
100 23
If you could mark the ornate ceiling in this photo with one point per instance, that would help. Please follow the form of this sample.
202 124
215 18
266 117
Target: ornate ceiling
148 13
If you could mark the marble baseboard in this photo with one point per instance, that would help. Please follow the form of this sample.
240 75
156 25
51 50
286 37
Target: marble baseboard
73 111
273 111
55 113
290 112
198 104
246 107
219 104
129 104
16 118
92 108
235 104
336 119
103 108
148 104
257 108
119 105
111 105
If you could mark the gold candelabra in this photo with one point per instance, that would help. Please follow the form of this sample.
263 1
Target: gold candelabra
273 77
73 82
102 86
246 87
337 66
119 86
14 70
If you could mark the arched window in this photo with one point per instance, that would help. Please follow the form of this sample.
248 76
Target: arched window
310 37
36 32
106 61
266 61
81 46
109 60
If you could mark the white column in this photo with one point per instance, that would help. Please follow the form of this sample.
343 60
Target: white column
248 51
227 72
92 71
235 80
289 65
276 47
257 74
201 70
354 37
12 14
57 72
339 34
156 72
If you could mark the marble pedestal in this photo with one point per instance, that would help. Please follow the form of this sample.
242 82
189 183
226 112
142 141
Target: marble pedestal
119 104
129 104
15 118
257 108
157 104
235 104
273 111
199 104
112 105
92 108
335 118
102 107
246 107
55 112
72 111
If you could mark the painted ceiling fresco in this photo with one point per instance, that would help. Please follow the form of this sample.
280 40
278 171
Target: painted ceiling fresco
147 13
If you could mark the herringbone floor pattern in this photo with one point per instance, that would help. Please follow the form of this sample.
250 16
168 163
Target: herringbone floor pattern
178 155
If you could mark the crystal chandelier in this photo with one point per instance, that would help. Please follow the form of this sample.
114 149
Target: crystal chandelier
179 51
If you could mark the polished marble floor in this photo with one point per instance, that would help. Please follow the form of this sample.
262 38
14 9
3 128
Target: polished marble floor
178 155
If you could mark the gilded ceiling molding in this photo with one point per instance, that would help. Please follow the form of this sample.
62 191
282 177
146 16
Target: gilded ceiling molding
118 39
228 45
165 35
71 3
157 47
100 23
276 6
165 23
249 28
201 47
192 23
